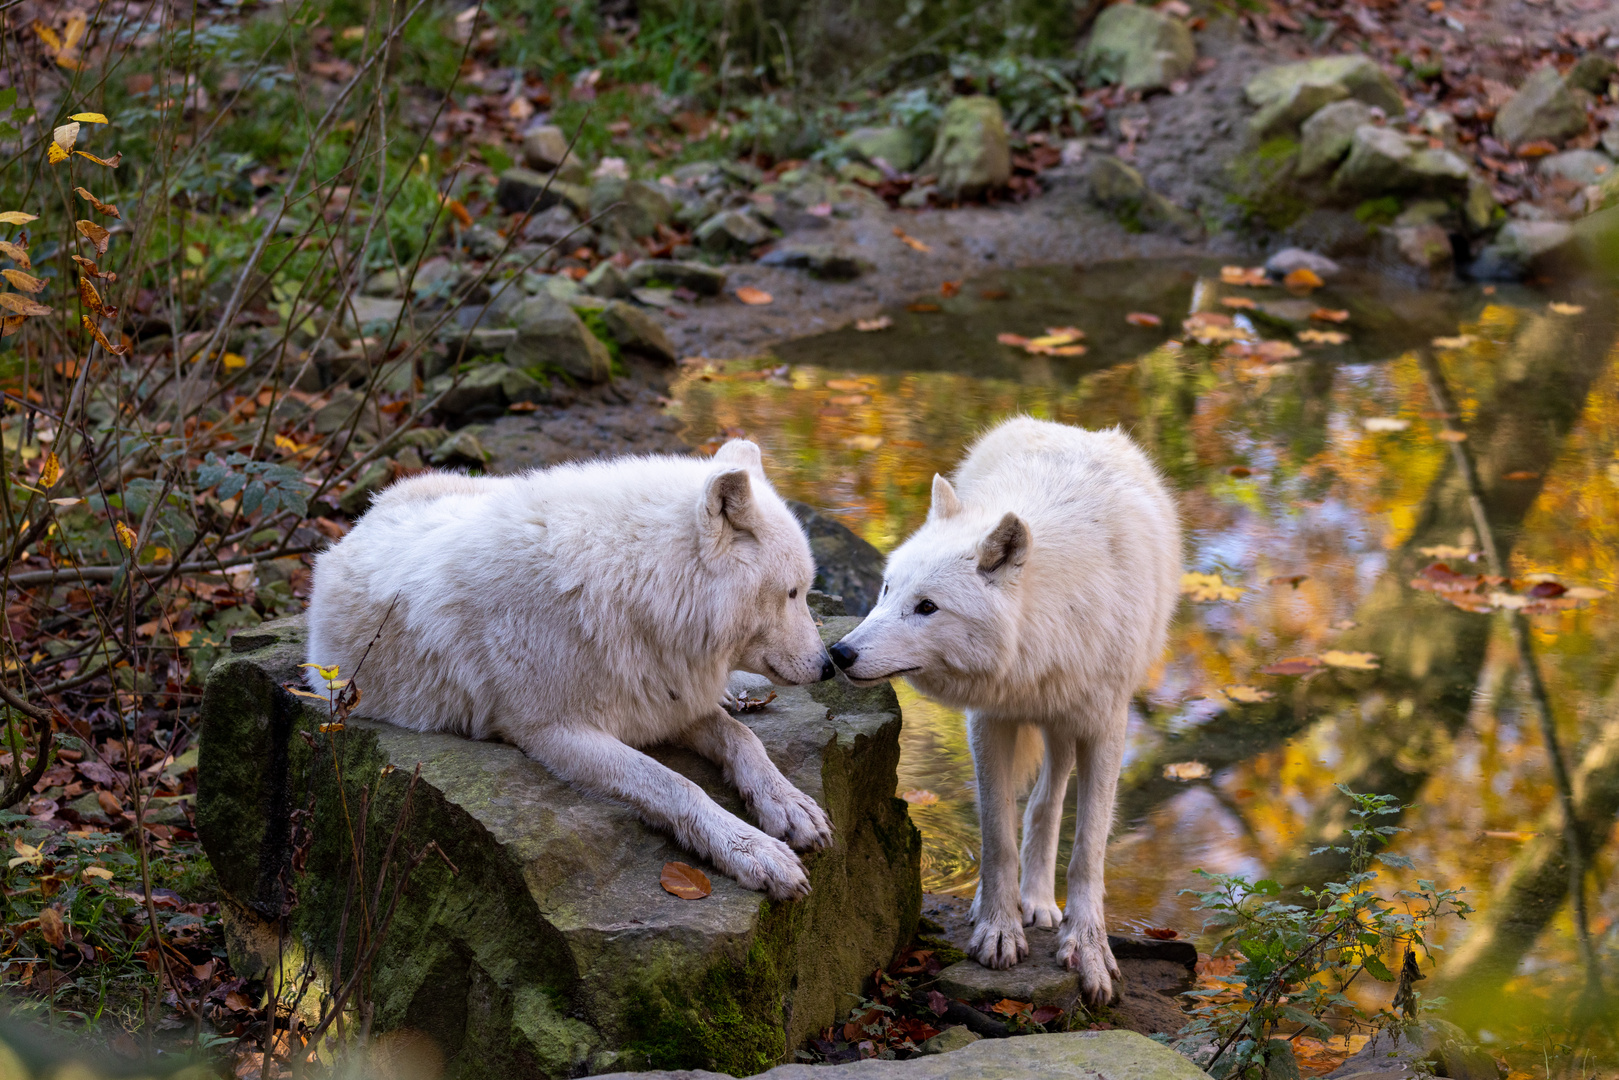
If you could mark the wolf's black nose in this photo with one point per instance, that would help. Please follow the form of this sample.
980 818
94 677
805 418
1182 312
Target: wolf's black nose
827 670
843 656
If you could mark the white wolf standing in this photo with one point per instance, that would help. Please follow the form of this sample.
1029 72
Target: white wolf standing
585 610
1036 597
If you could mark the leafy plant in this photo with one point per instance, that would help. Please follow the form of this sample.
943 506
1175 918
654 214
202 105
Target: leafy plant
1296 962
263 485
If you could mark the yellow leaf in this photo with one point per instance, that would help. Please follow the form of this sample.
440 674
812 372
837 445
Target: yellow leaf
1559 308
25 282
101 207
55 155
11 325
16 253
98 872
1460 342
1585 592
65 136
327 673
234 360
111 163
22 305
1323 337
89 118
50 473
16 217
1248 695
101 339
1208 588
93 233
1445 551
182 638
88 295
863 442
327 729
70 501
126 535
1351 661
1186 770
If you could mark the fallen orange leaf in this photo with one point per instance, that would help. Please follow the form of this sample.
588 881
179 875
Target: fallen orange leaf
1143 318
910 241
1303 280
749 295
686 882
949 289
1333 315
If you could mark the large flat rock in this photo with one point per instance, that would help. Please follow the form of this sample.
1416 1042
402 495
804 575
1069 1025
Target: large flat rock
553 951
1080 1055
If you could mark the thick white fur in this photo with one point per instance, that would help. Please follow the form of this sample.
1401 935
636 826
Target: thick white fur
1054 562
585 610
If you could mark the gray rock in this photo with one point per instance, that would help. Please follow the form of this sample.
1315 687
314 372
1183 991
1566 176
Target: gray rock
828 261
437 276
1591 73
971 154
951 1038
1137 47
919 197
545 148
1424 246
1298 103
372 479
1038 978
485 391
481 242
607 281
524 191
461 449
556 223
894 146
367 314
552 949
637 332
1441 125
630 206
845 564
1382 160
1583 167
422 438
1358 75
383 283
1287 260
1610 140
1326 136
550 336
1479 209
338 414
1121 189
464 344
1074 1055
1543 108
700 279
1436 1047
731 232
1521 245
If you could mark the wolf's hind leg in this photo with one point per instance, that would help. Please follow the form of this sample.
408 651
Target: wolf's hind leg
1082 942
998 940
597 762
1042 827
783 810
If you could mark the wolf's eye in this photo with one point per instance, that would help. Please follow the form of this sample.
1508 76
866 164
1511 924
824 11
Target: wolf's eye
792 594
926 607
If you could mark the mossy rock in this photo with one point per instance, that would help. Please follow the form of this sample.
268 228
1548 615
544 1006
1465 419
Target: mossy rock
552 951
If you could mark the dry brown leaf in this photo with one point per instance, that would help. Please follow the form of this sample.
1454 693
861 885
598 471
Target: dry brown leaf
1557 307
109 803
1303 280
16 253
22 305
26 282
1247 695
749 295
1323 337
10 325
910 241
1008 1007
1143 318
50 472
88 295
1240 302
88 266
93 233
1161 933
51 927
111 163
101 207
1332 315
686 882
1244 275
1293 665
101 339
949 288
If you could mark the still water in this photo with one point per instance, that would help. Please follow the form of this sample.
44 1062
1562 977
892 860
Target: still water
1319 478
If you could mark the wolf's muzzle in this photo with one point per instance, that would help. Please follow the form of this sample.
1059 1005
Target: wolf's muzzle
843 656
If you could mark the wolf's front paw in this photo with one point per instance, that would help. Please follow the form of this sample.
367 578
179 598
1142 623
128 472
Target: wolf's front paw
764 863
794 817
1084 949
998 942
1040 911
730 701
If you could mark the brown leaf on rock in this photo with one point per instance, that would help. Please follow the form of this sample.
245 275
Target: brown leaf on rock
754 297
93 233
1008 1007
101 207
686 882
1045 1014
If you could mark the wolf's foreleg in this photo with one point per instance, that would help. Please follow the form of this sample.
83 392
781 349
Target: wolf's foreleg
597 762
1082 942
1042 826
783 810
998 940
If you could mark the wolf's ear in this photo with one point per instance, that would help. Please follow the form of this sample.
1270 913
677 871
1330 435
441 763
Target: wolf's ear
742 453
727 508
945 502
1002 551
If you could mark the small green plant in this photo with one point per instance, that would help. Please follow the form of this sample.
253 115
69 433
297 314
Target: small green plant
1296 962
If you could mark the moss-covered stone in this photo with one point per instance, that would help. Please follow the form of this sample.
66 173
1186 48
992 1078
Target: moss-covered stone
552 950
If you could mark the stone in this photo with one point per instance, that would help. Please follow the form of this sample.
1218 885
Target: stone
550 336
1440 125
485 391
1074 1055
1543 108
437 276
845 564
858 172
607 281
1331 231
372 479
552 949
1597 239
371 314
1382 160
1300 102
524 191
1326 136
421 438
1583 167
464 344
338 414
545 148
1138 48
731 232
700 279
461 448
1610 140
637 332
1424 246
631 206
1122 190
383 283
956 1037
1479 208
1287 260
1519 246
556 224
1038 978
970 154
481 242
1359 75
1436 1047
893 146
1591 73
827 261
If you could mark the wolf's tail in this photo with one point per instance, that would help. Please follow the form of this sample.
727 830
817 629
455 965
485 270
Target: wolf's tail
1027 757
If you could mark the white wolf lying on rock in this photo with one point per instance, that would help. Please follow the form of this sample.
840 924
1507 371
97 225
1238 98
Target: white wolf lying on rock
1036 597
581 611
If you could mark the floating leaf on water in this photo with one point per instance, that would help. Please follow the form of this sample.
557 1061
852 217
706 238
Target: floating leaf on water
1241 472
1546 589
1585 592
1276 351
1303 280
686 882
1446 551
1332 315
1452 435
866 326
1460 342
1244 275
863 442
1143 318
846 384
920 797
1557 307
1323 337
1521 474
1015 340
948 289
1288 579
1208 588
1379 424
1186 770
1350 661
1247 695
749 295
1161 933
1293 665
923 307
1239 302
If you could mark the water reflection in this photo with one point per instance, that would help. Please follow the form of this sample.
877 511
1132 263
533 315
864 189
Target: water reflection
1320 486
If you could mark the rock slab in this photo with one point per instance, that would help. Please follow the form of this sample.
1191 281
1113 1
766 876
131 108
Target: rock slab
553 952
1077 1055
1139 48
